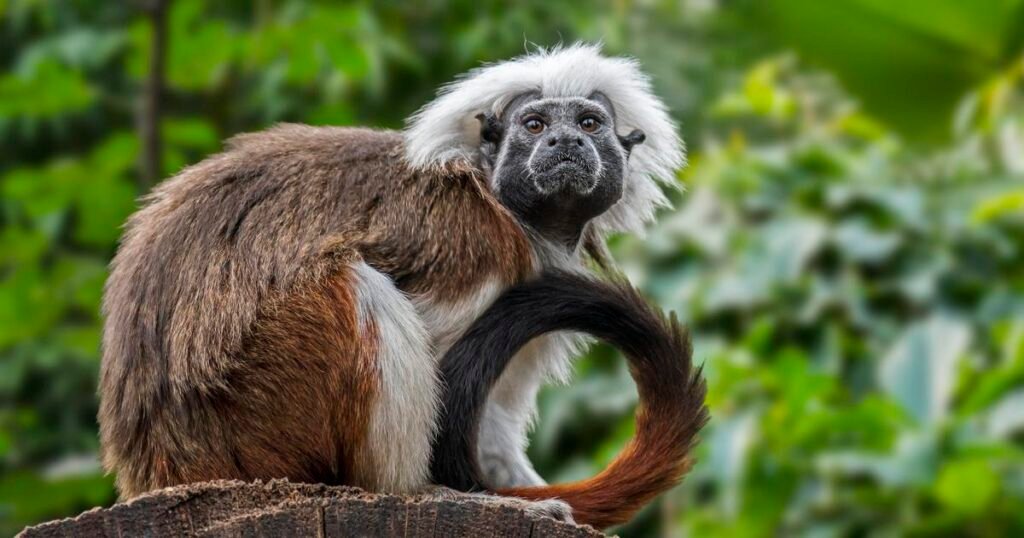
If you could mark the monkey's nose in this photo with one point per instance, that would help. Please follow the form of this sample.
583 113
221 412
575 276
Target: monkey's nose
565 140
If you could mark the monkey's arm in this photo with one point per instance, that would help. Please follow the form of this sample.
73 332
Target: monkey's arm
501 448
511 409
671 391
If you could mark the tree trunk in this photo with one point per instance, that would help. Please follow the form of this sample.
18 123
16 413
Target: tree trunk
151 100
280 508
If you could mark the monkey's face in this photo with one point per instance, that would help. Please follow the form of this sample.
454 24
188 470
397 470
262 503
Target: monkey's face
556 162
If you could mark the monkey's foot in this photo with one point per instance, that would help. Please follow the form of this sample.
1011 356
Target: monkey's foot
552 508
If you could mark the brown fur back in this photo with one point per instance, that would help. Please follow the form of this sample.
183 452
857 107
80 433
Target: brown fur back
230 347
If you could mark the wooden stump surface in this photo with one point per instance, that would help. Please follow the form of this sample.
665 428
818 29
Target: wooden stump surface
280 508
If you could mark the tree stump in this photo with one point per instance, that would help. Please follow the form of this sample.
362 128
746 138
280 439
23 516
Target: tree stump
281 508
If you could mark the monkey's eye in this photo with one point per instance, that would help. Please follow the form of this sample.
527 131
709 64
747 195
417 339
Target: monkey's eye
589 124
534 126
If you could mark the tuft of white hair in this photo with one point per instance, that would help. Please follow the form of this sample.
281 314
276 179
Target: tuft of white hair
447 130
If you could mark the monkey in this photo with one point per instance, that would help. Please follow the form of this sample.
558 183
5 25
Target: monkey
671 392
280 309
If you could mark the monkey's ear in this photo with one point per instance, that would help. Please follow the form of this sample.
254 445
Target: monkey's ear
491 128
632 139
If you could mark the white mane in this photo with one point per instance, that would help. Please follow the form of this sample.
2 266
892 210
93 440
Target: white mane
446 129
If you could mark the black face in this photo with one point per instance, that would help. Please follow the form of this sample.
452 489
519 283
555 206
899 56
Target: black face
557 162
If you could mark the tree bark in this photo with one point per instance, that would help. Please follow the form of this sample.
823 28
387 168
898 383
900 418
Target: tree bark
280 508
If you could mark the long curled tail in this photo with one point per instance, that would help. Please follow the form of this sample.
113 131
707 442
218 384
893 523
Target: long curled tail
671 390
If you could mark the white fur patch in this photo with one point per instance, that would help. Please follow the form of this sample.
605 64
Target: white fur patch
445 321
404 417
446 129
512 408
501 449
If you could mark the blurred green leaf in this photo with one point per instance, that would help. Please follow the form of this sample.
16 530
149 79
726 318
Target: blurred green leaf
21 246
918 370
1008 203
101 208
1006 417
967 485
81 49
48 89
929 53
26 498
861 243
192 133
27 306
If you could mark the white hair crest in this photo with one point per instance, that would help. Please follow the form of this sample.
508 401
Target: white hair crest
446 129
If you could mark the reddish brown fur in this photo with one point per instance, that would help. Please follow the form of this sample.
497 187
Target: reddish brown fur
231 345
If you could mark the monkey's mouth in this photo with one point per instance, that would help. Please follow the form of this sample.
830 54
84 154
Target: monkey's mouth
564 166
567 162
571 157
566 173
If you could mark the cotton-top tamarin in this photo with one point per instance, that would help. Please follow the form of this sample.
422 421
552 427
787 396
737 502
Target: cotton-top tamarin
281 309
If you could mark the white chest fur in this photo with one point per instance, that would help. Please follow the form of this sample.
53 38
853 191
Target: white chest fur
445 321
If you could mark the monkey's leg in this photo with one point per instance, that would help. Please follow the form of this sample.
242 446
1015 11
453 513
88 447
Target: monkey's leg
501 447
296 400
341 386
511 411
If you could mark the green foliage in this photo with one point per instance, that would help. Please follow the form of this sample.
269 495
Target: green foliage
49 89
860 327
857 299
929 52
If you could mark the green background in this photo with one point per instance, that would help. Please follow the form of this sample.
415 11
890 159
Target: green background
846 246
